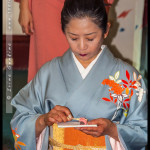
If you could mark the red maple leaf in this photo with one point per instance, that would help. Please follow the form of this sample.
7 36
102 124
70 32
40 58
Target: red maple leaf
115 100
127 75
124 13
124 105
106 99
125 82
128 105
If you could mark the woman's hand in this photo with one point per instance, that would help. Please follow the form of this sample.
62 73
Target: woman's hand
57 114
104 127
25 18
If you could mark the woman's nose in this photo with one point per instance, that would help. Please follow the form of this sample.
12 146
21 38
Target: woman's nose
82 45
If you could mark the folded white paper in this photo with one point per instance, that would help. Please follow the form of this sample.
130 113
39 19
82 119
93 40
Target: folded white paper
73 124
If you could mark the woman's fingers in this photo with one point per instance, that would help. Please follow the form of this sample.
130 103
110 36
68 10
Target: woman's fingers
92 133
50 121
31 27
65 110
26 29
58 114
63 116
56 117
103 126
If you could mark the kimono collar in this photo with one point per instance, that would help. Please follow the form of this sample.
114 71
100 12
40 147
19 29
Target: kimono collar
84 71
78 96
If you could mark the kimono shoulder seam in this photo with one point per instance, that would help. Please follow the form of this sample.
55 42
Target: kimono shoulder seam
48 65
125 66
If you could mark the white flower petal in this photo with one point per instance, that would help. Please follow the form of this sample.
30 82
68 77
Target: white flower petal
139 77
134 76
124 95
17 135
114 95
138 83
117 74
118 81
111 77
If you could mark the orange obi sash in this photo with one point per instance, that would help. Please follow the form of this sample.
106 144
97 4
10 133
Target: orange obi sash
70 138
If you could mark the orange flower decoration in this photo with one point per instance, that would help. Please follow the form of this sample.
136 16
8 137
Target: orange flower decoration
17 143
114 86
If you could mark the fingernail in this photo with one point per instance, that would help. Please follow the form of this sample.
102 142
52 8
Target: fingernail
69 117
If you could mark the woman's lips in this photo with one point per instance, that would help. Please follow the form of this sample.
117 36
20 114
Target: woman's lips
82 55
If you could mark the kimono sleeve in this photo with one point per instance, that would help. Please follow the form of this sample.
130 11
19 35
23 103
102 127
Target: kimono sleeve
132 128
29 106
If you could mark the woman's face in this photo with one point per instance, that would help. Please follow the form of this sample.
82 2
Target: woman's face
85 39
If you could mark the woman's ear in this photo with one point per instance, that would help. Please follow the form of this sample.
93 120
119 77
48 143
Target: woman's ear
107 30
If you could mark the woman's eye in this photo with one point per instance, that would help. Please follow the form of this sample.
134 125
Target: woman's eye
74 39
90 39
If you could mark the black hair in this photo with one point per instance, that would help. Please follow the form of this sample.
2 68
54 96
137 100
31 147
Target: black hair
94 9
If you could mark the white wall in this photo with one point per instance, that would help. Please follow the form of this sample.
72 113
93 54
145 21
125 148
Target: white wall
16 29
128 42
139 10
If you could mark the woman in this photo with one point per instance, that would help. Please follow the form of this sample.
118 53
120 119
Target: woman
42 22
87 81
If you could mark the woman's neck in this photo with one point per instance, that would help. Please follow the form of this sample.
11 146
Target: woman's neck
86 63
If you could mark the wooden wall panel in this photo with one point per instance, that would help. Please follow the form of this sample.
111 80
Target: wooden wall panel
20 51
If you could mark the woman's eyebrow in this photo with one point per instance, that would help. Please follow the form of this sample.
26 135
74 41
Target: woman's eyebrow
90 33
73 34
84 34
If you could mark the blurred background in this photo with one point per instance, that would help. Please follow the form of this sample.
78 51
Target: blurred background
127 39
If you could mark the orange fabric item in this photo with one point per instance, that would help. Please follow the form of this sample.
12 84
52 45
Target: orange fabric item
48 41
75 137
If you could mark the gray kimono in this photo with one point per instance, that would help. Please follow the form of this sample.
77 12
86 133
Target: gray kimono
112 89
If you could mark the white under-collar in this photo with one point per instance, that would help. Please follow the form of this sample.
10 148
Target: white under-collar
84 71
